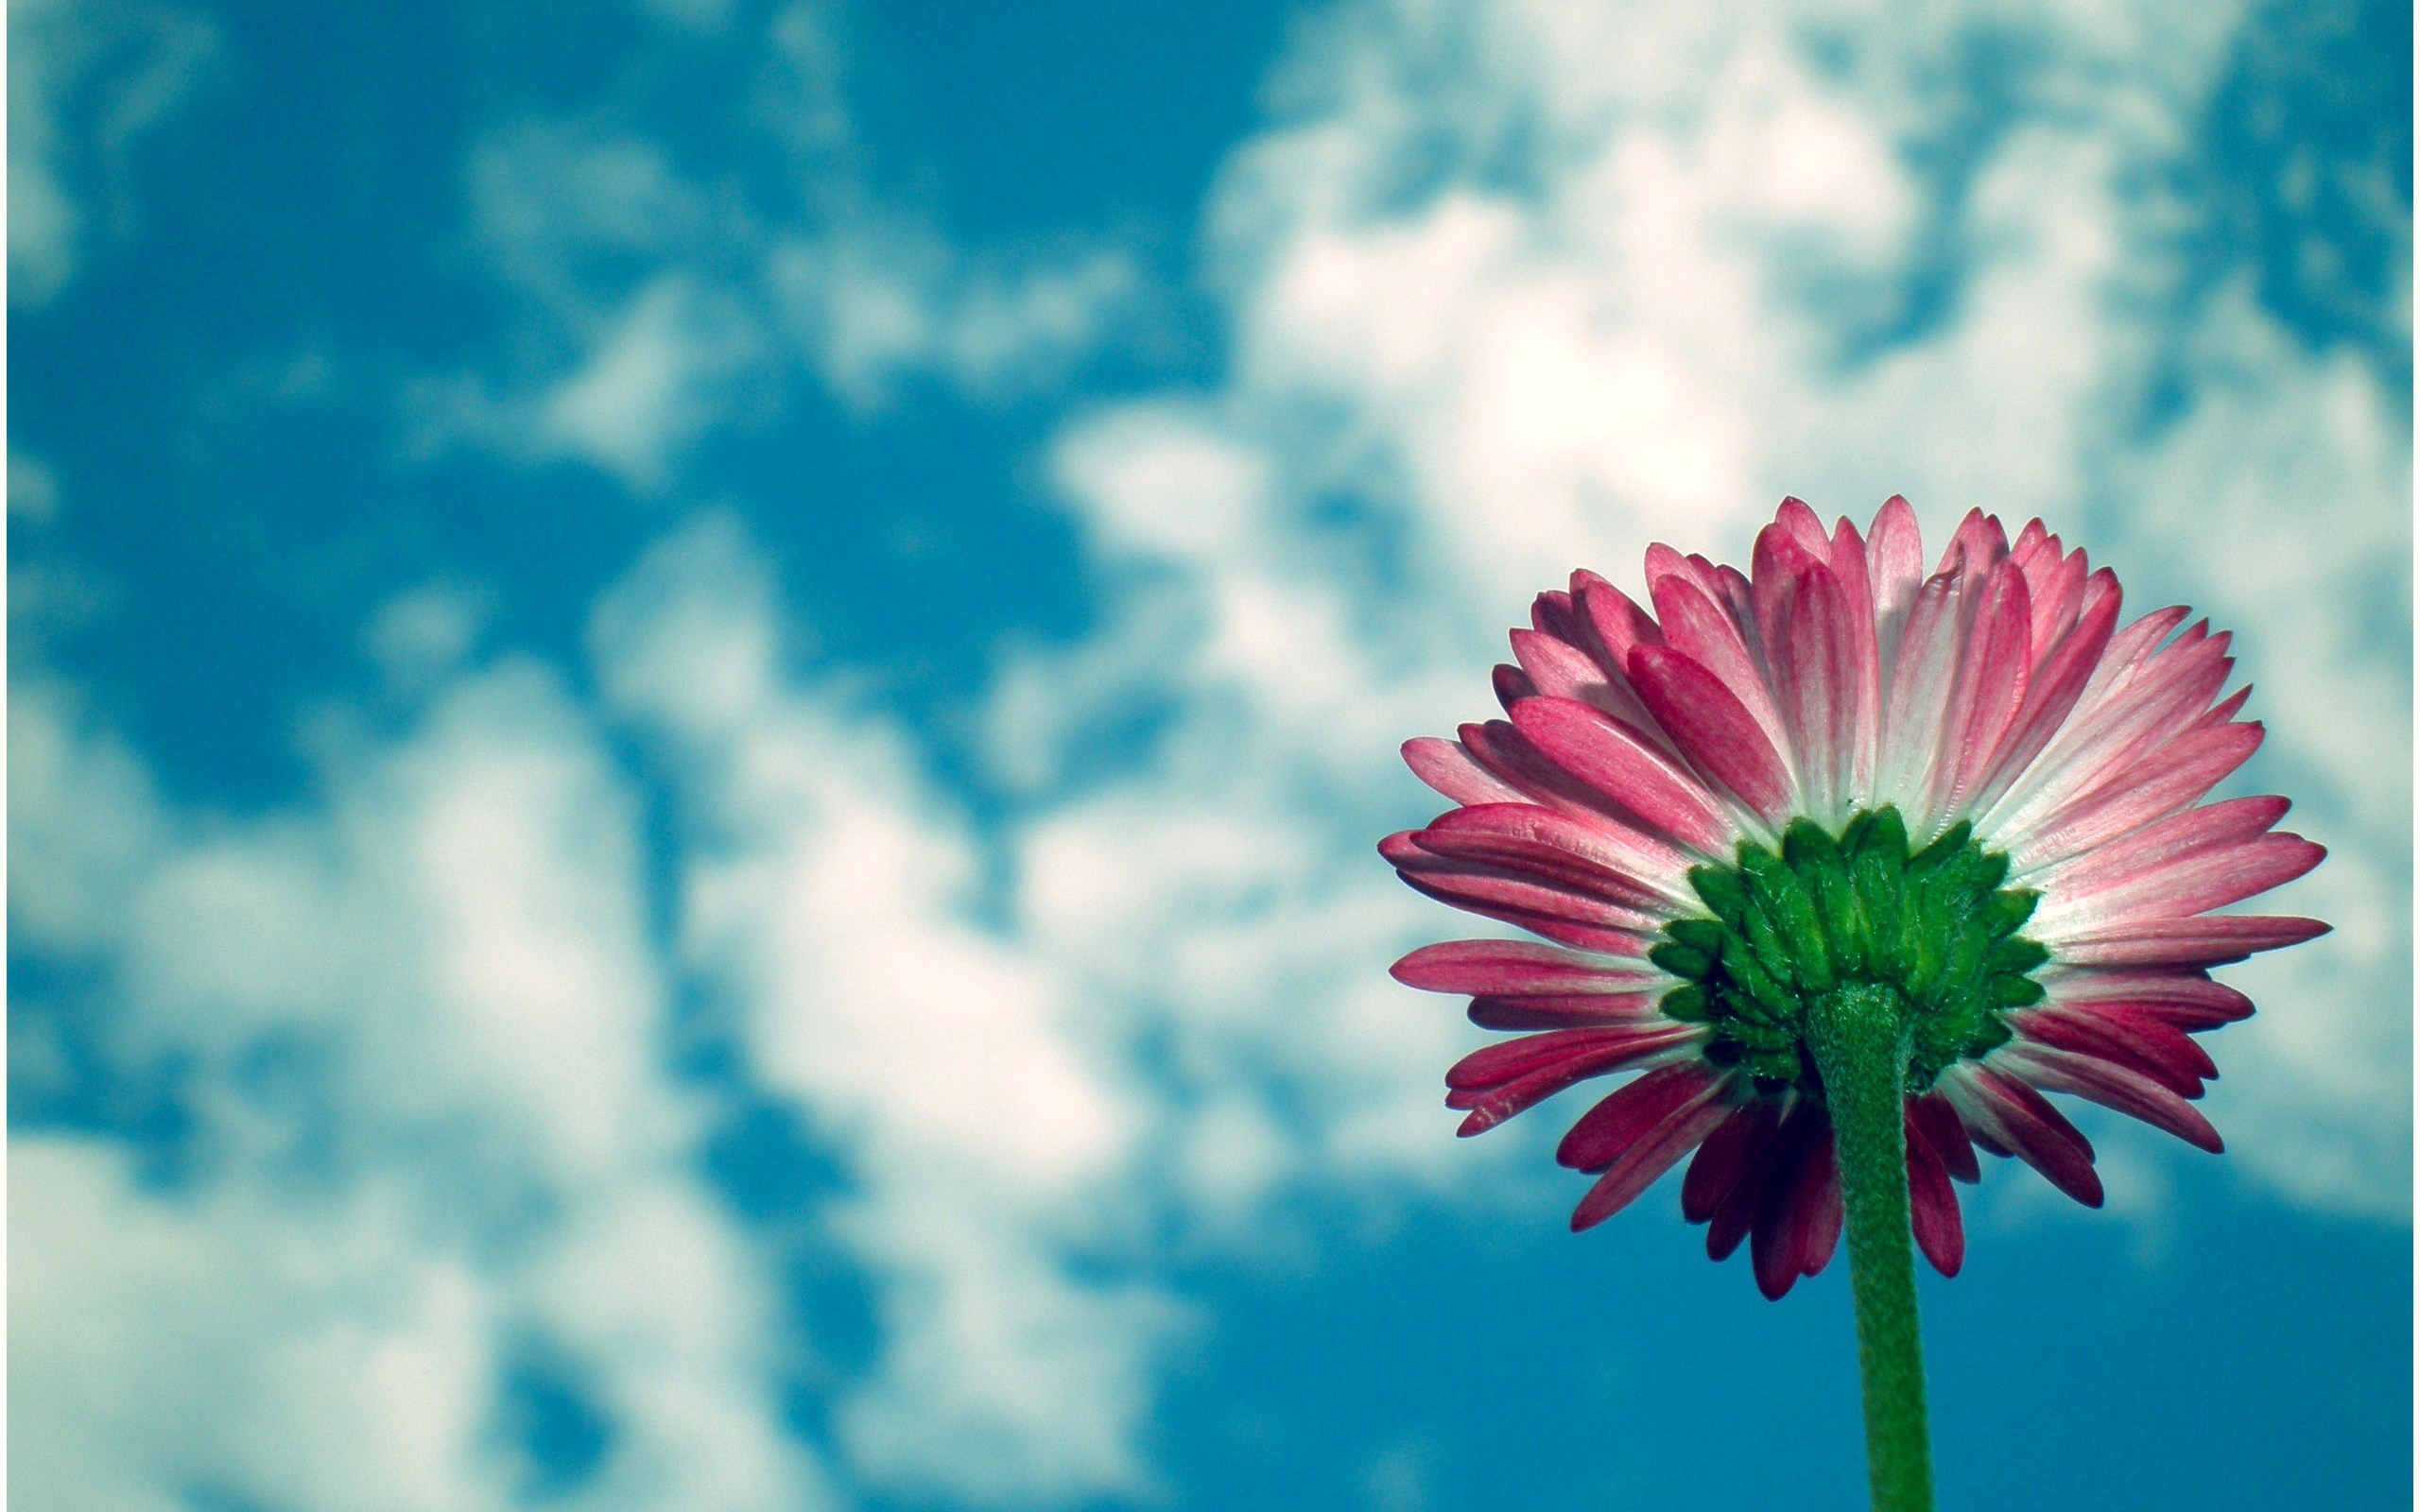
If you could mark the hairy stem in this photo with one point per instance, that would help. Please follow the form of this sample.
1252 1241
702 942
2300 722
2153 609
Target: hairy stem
1860 1037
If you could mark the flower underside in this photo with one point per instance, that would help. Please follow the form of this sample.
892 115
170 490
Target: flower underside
1855 909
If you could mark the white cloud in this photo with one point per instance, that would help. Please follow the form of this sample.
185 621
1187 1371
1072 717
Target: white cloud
832 898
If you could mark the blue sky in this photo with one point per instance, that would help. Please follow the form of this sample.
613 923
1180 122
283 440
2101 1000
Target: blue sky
700 689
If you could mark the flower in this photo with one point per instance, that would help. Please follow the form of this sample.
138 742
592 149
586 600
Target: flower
1973 790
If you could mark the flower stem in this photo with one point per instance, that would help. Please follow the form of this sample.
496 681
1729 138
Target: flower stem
1860 1037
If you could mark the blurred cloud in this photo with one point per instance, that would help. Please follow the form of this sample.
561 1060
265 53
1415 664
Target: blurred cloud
85 82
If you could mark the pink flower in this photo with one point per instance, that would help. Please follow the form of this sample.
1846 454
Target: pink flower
1974 787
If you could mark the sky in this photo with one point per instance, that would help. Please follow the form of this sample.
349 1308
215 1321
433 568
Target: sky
700 693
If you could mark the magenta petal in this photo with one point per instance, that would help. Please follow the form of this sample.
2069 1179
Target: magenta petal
1515 966
1618 762
1786 1218
1713 727
1489 1105
1932 1203
2111 1086
1630 1111
2165 1053
2012 1115
1452 770
2213 940
1648 1157
2187 999
1932 1116
1590 1010
1727 1154
1822 1234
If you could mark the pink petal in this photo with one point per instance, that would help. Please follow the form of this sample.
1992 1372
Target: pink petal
1651 864
1696 627
1634 1110
1921 683
1558 669
2111 1086
1452 770
1513 685
1522 897
1712 728
1519 967
1803 525
1636 777
1648 1157
2187 999
2054 691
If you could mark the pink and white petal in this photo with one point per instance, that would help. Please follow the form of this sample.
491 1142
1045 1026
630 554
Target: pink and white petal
1448 768
1520 967
1509 1060
1648 1157
1558 669
1512 757
2211 940
1921 683
2179 834
1985 697
1803 616
1713 729
1894 563
1805 527
1857 590
2111 1086
1634 1111
1978 546
2051 696
2178 887
1932 1204
1612 760
2005 1111
2167 780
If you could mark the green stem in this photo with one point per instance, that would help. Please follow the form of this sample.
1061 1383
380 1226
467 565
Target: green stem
1860 1037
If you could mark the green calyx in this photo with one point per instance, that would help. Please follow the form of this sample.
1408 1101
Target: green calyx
1857 909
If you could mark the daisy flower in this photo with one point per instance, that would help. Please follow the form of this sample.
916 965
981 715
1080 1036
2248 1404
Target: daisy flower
1854 864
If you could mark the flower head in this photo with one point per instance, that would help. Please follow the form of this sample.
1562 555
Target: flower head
1974 794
